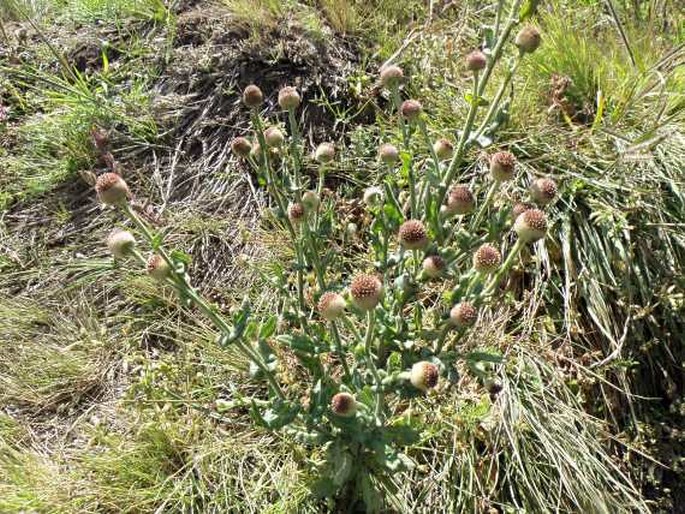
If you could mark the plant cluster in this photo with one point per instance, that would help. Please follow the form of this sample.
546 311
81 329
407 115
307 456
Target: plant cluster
367 340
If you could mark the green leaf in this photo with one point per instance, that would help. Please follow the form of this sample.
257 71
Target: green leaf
179 256
528 9
470 99
268 328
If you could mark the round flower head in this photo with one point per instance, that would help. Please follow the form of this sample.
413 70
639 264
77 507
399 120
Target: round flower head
413 235
331 306
443 149
463 315
111 189
310 200
476 61
424 375
121 243
241 147
324 153
366 291
487 259
502 166
531 225
157 267
388 153
344 404
252 96
411 109
100 138
391 75
543 190
433 266
519 208
274 137
296 212
460 200
288 98
373 196
528 39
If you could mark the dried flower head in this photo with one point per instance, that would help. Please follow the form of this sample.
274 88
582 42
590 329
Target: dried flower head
502 166
388 153
111 189
310 200
460 200
366 291
121 243
411 109
443 149
288 98
544 190
528 39
531 225
252 96
391 76
487 259
433 266
273 137
463 315
324 153
424 375
100 138
158 267
296 212
476 61
519 208
413 235
373 196
331 306
241 147
344 404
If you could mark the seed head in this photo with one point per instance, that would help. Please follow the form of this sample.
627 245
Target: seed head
433 266
100 138
157 267
476 61
391 76
373 196
487 259
241 147
310 200
288 98
460 200
120 243
519 208
502 166
463 315
443 149
366 291
531 225
528 39
344 404
543 190
324 153
411 109
424 375
111 189
413 235
388 153
331 306
296 212
252 96
273 137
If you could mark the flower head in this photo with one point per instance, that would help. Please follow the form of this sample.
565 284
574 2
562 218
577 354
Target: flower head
288 98
528 39
388 153
502 166
487 259
411 109
373 196
519 208
366 291
476 61
544 190
463 315
443 149
413 235
391 75
120 243
273 137
460 200
241 147
324 153
310 200
531 225
158 267
252 96
424 375
296 212
433 266
331 306
344 404
111 189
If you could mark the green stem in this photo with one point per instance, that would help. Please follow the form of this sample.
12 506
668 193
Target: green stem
341 353
494 104
441 340
370 326
504 269
475 221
